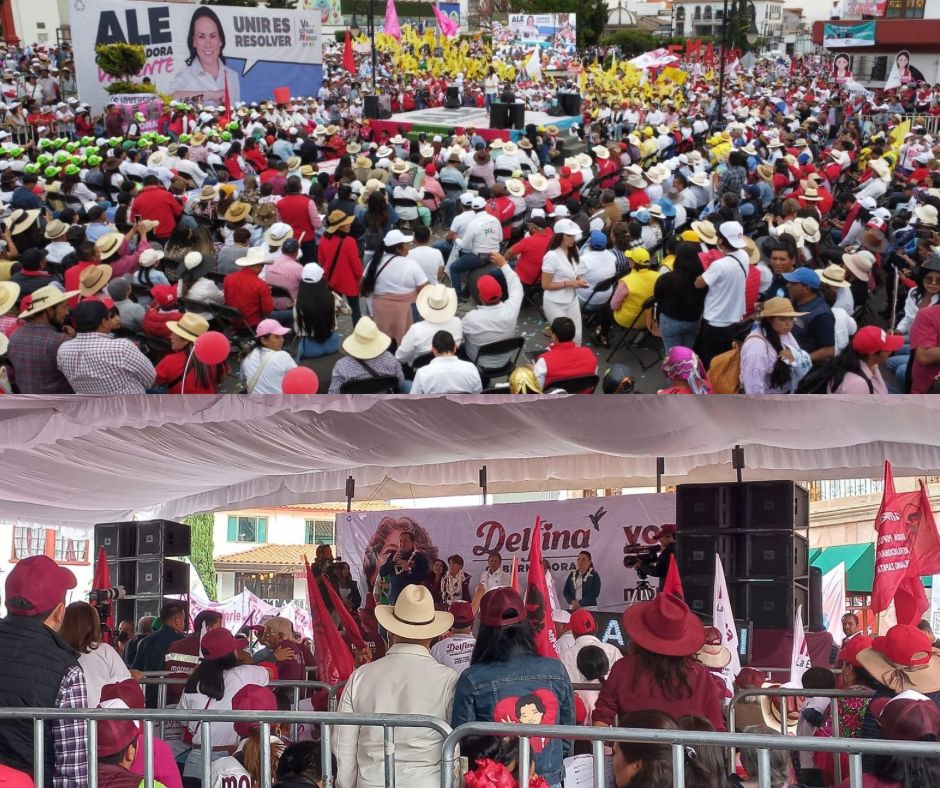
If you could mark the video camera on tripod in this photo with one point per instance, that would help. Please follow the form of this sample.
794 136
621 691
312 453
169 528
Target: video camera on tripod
636 557
102 599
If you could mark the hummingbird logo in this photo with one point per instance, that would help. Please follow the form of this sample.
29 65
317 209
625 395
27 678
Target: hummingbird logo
596 517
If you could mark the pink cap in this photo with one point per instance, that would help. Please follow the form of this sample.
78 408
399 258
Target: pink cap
270 326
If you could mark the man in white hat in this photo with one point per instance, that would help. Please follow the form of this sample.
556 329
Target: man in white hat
34 347
437 305
407 680
481 239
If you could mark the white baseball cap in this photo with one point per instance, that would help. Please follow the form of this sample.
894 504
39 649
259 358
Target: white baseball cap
568 227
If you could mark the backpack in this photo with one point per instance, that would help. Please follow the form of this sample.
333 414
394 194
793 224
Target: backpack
724 373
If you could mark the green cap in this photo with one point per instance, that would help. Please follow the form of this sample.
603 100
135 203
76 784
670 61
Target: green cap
43 159
233 126
114 141
94 161
71 146
45 142
61 156
31 168
226 135
128 145
184 138
50 172
139 117
72 170
58 142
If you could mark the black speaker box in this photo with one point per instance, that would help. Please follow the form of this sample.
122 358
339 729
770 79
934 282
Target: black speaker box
517 116
370 106
696 554
768 604
816 623
775 505
499 115
155 576
704 507
163 538
570 103
775 554
699 596
452 100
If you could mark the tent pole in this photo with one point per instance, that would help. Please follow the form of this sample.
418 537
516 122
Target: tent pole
483 483
660 470
350 492
737 461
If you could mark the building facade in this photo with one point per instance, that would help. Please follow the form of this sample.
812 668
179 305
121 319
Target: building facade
693 18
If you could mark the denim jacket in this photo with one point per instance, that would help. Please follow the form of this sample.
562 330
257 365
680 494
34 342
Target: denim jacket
525 689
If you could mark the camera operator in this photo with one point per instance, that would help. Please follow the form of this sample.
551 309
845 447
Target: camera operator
658 565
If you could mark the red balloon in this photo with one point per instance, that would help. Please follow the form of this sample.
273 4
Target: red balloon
300 380
212 348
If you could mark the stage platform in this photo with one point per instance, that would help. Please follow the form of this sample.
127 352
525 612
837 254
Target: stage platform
439 120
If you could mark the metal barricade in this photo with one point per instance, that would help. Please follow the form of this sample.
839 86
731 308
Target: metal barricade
786 692
388 722
679 740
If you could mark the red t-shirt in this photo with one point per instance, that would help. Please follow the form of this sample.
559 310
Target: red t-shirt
530 253
170 370
925 332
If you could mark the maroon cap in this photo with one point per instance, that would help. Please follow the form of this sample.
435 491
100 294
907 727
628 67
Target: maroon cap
908 719
666 530
489 290
502 607
41 582
252 697
114 736
582 623
218 643
462 613
128 691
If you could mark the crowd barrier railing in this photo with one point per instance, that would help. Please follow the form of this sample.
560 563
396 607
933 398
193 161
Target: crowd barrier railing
782 693
678 740
388 723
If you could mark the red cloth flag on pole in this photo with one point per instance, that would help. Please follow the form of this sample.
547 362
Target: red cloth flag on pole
350 627
227 100
333 657
514 582
537 603
391 20
908 546
447 25
673 583
349 62
102 580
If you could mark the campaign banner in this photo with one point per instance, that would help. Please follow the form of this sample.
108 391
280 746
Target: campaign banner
450 10
148 105
194 51
903 74
555 31
608 528
858 35
248 608
864 7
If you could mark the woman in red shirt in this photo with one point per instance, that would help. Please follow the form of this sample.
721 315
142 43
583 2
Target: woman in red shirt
200 378
660 672
253 155
234 162
338 255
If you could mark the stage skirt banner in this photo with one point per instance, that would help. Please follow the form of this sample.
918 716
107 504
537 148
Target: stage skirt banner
193 50
609 528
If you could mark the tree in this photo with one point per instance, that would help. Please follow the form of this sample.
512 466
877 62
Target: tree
631 42
287 4
201 549
123 62
238 3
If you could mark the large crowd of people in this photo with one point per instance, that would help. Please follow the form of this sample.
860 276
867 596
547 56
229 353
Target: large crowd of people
469 659
783 242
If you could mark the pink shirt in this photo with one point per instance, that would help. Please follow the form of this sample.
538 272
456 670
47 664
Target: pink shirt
284 272
165 769
855 384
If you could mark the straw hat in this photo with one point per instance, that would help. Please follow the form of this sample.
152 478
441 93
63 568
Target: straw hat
636 181
664 626
515 187
811 194
55 229
903 660
811 231
873 240
656 174
834 276
413 615
9 294
880 168
510 148
93 279
337 220
149 258
538 182
237 211
779 307
396 140
713 654
208 193
765 172
552 129
363 163
190 326
699 178
45 298
601 152
437 303
24 222
584 161
277 233
108 244
400 167
858 264
353 147
256 256
156 159
926 214
706 232
198 139
753 253
293 163
770 711
367 342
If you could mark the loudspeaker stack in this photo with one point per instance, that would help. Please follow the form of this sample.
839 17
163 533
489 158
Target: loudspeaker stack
760 531
139 556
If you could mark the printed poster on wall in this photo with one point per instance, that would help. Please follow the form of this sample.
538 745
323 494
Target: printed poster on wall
129 104
864 7
553 31
193 50
902 73
609 528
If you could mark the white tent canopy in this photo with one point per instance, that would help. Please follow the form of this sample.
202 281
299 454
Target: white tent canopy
82 460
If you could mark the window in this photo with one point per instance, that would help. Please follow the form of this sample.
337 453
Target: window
271 587
698 13
46 541
708 13
905 9
320 532
248 529
40 25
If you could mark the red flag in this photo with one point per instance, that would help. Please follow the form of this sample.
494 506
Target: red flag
673 583
349 61
908 546
333 657
102 580
227 100
353 633
537 603
515 574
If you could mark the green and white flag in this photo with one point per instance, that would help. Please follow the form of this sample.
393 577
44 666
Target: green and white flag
860 35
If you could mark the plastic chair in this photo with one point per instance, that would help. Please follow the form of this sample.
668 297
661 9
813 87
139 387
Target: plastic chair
580 385
512 347
636 332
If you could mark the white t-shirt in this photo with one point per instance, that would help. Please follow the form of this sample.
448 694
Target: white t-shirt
447 375
400 276
454 652
726 279
102 665
223 733
497 579
557 264
595 267
277 363
430 260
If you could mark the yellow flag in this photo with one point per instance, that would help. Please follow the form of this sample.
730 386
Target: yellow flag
582 81
897 134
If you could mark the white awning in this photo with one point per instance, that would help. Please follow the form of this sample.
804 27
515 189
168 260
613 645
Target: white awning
80 460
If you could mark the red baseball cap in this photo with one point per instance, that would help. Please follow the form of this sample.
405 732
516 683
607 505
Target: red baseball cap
910 719
462 613
851 647
906 645
217 643
41 582
128 691
872 339
252 697
666 530
582 623
489 290
164 295
502 607
114 736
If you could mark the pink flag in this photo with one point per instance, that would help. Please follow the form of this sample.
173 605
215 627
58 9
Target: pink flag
391 20
447 25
